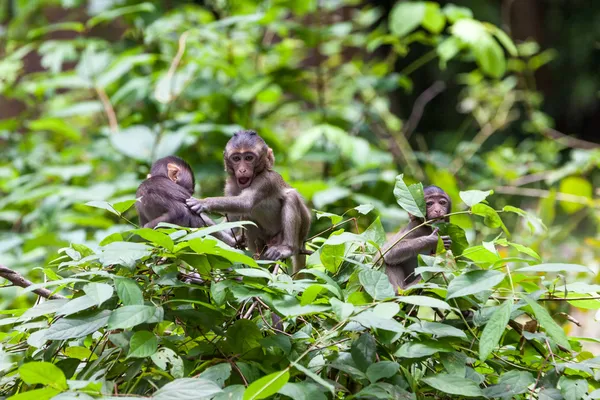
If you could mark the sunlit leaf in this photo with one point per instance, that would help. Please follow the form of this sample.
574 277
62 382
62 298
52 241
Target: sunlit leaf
267 385
473 282
406 16
453 384
494 329
552 328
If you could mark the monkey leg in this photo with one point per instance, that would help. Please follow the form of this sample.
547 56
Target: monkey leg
295 223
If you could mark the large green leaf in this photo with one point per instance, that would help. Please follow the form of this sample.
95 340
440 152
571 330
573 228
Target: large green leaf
376 283
44 373
130 316
406 16
411 199
473 282
552 328
143 344
494 329
267 385
73 328
187 389
363 351
453 384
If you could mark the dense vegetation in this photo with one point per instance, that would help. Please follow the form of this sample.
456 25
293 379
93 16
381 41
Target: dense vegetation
93 92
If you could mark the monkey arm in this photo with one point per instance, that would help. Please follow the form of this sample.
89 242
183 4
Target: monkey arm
408 247
241 204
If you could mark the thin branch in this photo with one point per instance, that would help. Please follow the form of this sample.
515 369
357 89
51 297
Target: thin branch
19 280
569 141
108 109
417 112
541 193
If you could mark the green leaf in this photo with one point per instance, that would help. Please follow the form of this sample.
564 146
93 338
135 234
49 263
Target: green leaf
425 301
456 233
142 344
406 17
136 142
422 349
279 341
267 385
490 216
494 329
314 377
129 316
573 389
490 57
104 205
453 384
382 370
455 13
123 253
46 393
303 391
369 319
114 13
433 20
166 357
472 197
254 273
552 328
73 328
511 383
310 294
363 351
364 209
448 49
243 336
473 282
44 373
503 38
437 329
376 283
289 306
187 389
218 373
210 246
577 186
411 199
128 291
342 310
155 237
556 267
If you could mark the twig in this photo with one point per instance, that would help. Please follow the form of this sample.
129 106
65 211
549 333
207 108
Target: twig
541 193
108 109
174 64
569 141
417 112
19 280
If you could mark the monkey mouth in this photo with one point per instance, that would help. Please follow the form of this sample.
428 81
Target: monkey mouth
243 181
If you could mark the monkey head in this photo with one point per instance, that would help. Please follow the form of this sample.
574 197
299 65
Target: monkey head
246 155
176 170
437 202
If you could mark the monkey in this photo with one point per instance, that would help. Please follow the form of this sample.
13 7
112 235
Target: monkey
162 197
401 258
254 192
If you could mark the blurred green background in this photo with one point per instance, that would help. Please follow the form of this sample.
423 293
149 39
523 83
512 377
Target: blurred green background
347 93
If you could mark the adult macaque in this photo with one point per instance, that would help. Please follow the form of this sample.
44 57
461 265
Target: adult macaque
162 197
255 192
401 258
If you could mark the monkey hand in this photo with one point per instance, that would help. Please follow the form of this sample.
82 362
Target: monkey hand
447 242
279 252
197 205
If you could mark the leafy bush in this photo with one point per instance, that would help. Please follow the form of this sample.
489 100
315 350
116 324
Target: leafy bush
474 327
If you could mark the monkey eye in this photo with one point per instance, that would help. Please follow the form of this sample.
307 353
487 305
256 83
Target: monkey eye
429 203
236 158
249 158
443 202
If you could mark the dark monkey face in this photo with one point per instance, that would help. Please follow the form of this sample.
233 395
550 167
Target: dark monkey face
243 164
437 202
247 155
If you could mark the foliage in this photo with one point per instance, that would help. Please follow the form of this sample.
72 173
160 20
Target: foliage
102 88
133 325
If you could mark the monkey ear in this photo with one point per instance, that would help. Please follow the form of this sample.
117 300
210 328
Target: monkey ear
270 158
173 171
